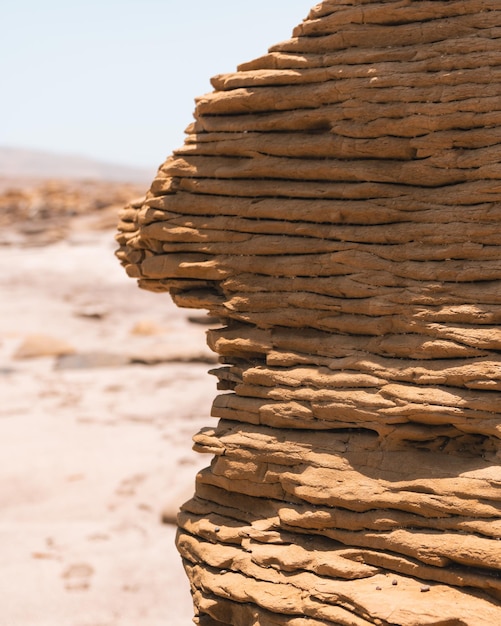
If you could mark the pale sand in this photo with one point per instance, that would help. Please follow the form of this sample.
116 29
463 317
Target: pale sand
91 457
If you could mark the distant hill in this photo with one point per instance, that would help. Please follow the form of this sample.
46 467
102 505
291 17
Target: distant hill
21 163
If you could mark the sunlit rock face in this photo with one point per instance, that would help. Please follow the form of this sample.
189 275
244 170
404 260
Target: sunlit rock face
337 204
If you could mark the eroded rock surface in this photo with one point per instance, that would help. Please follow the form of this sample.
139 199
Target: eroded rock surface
337 204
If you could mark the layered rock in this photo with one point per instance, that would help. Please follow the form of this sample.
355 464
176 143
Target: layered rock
337 204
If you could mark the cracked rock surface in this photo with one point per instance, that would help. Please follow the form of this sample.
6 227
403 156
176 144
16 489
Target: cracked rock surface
337 205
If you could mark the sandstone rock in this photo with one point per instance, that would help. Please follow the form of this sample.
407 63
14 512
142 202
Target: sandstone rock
337 206
146 328
34 346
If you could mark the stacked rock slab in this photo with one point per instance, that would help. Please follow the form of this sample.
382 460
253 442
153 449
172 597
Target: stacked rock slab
337 204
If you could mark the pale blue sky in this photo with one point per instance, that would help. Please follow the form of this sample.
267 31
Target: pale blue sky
116 79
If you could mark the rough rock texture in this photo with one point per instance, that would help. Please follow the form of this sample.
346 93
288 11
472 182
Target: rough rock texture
337 204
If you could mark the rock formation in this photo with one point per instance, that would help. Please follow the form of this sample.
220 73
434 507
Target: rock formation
39 212
337 204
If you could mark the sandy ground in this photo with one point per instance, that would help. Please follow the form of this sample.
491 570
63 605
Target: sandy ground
93 447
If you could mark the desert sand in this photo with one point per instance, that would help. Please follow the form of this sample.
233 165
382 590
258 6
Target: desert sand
103 387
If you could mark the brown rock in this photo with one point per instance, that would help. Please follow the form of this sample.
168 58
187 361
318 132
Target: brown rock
34 346
336 206
146 328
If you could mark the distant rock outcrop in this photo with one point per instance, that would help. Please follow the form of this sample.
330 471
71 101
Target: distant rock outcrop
40 212
337 204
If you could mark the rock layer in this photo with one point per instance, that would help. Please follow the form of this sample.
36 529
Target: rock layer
337 204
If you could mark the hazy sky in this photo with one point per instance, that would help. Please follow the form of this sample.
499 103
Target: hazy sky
116 79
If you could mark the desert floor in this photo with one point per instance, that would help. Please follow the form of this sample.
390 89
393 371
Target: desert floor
103 386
